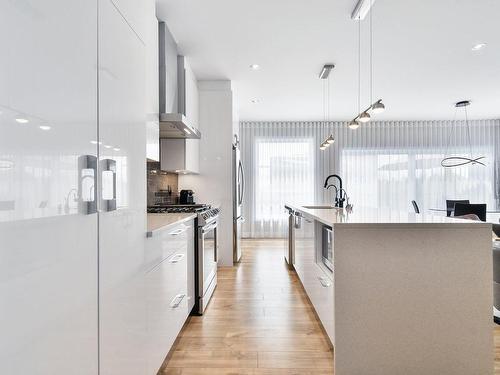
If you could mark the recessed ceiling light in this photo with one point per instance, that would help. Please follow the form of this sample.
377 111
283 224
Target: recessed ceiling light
255 66
117 149
478 46
255 101
22 120
45 127
96 143
107 146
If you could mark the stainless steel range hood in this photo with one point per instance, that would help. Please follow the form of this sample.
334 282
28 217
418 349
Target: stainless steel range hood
175 125
173 120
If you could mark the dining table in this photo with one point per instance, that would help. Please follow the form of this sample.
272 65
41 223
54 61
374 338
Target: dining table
492 216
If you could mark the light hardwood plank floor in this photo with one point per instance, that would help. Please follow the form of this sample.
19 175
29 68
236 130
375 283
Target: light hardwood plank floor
259 322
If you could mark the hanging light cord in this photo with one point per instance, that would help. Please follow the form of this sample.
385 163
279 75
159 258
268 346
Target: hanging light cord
359 65
468 131
371 51
452 130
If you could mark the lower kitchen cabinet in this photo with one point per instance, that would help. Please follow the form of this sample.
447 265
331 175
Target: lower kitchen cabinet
317 282
169 286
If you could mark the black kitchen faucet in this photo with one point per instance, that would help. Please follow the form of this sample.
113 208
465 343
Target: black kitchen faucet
339 198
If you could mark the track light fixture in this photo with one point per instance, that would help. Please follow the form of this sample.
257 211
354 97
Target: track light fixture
330 140
365 116
325 76
362 8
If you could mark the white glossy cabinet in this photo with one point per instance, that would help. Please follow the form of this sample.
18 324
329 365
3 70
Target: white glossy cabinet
317 282
169 286
136 14
180 155
304 247
48 250
189 101
122 137
152 86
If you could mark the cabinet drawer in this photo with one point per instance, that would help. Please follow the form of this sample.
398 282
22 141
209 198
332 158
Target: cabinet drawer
167 306
167 242
319 288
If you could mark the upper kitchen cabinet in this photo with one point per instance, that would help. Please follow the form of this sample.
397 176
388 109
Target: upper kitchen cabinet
136 14
180 155
188 91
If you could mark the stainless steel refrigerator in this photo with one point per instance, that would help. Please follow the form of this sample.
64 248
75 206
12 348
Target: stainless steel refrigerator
238 194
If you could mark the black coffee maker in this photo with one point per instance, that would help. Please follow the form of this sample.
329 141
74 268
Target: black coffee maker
186 197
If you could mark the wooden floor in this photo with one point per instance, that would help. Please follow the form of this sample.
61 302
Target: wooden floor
259 322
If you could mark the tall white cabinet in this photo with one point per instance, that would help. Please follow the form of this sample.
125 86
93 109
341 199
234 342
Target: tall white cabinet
48 250
122 122
213 184
72 187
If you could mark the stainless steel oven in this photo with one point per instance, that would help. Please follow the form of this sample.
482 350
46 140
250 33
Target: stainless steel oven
327 247
207 259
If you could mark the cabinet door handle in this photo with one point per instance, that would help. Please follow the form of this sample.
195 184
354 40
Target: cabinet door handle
177 301
178 231
108 184
324 282
176 258
87 189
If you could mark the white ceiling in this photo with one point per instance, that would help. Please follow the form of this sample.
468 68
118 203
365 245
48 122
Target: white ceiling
423 61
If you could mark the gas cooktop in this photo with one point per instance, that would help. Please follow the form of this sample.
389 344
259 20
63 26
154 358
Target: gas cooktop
179 208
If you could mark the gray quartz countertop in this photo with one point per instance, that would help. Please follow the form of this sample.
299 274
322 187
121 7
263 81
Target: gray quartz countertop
159 222
370 216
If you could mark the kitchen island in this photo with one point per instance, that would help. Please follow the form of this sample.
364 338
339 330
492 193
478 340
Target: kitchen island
400 293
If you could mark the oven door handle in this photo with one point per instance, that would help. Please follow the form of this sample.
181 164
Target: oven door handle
208 228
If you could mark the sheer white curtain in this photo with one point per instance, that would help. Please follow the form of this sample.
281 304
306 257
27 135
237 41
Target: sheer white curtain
383 165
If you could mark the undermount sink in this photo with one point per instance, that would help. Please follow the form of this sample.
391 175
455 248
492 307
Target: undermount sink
324 207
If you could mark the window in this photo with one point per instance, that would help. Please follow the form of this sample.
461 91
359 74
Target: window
392 178
285 172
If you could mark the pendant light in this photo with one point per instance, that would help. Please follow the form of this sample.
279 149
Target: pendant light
353 124
377 107
364 117
325 76
456 160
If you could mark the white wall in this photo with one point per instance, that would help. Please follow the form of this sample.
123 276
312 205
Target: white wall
214 183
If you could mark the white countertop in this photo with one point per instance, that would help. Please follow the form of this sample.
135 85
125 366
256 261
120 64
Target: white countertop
364 216
157 222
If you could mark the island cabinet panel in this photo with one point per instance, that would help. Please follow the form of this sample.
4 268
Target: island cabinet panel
319 288
412 293
317 282
168 290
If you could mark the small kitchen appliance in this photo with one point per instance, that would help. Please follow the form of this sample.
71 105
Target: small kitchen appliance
186 197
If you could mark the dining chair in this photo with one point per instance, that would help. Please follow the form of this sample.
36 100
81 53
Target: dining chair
415 207
450 205
465 209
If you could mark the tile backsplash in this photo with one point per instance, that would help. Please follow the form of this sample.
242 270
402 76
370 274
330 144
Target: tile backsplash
163 187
